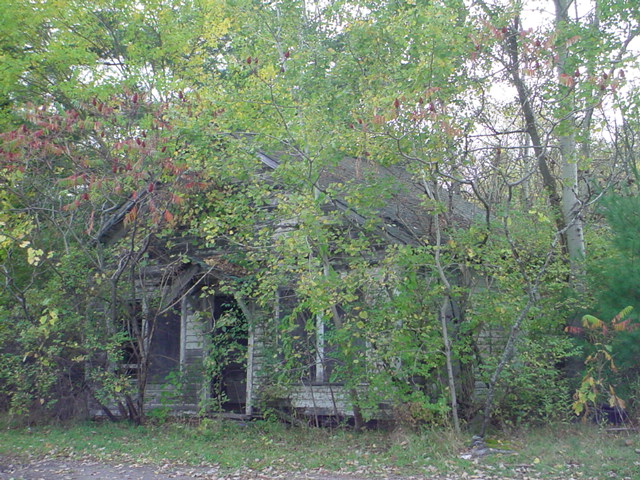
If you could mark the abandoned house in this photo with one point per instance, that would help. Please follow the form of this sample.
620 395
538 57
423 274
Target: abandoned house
186 371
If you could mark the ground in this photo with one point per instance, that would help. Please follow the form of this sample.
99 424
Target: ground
65 469
261 450
60 469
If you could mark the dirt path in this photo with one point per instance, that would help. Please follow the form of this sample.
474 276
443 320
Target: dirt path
73 469
63 469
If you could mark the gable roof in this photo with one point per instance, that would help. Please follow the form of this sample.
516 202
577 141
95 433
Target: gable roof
403 218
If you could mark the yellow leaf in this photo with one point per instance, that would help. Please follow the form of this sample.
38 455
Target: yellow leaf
34 255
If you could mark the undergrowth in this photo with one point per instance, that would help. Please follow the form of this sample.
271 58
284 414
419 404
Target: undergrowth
560 451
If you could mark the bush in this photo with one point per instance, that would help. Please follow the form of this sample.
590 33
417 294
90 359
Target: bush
533 388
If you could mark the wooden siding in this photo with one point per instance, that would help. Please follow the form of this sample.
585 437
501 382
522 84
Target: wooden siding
321 400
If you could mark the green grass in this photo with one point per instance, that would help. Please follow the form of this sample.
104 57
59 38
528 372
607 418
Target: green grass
563 451
228 444
578 451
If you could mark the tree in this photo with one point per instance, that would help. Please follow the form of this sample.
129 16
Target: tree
96 188
94 88
585 53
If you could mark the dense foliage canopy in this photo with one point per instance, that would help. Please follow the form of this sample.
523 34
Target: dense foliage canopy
512 119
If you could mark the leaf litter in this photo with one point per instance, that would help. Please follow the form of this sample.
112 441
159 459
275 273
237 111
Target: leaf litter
60 468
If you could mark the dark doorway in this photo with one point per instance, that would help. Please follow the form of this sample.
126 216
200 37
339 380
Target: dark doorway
228 355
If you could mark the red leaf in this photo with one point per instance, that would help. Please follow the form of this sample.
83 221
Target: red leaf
573 329
168 216
567 80
150 187
131 216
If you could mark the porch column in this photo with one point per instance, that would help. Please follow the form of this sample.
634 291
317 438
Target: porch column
184 312
250 349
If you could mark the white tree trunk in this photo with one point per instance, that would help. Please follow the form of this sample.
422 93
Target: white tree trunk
571 205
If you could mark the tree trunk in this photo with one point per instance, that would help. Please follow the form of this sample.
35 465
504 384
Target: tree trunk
566 204
507 355
531 127
449 362
433 195
571 205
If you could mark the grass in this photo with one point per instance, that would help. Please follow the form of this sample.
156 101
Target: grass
579 451
562 451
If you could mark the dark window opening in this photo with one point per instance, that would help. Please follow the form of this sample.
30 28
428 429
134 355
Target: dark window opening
161 336
131 326
307 340
165 345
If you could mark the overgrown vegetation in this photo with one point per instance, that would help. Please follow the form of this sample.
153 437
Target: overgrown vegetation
574 451
387 221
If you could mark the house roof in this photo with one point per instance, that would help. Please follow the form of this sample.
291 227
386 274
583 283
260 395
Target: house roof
403 215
